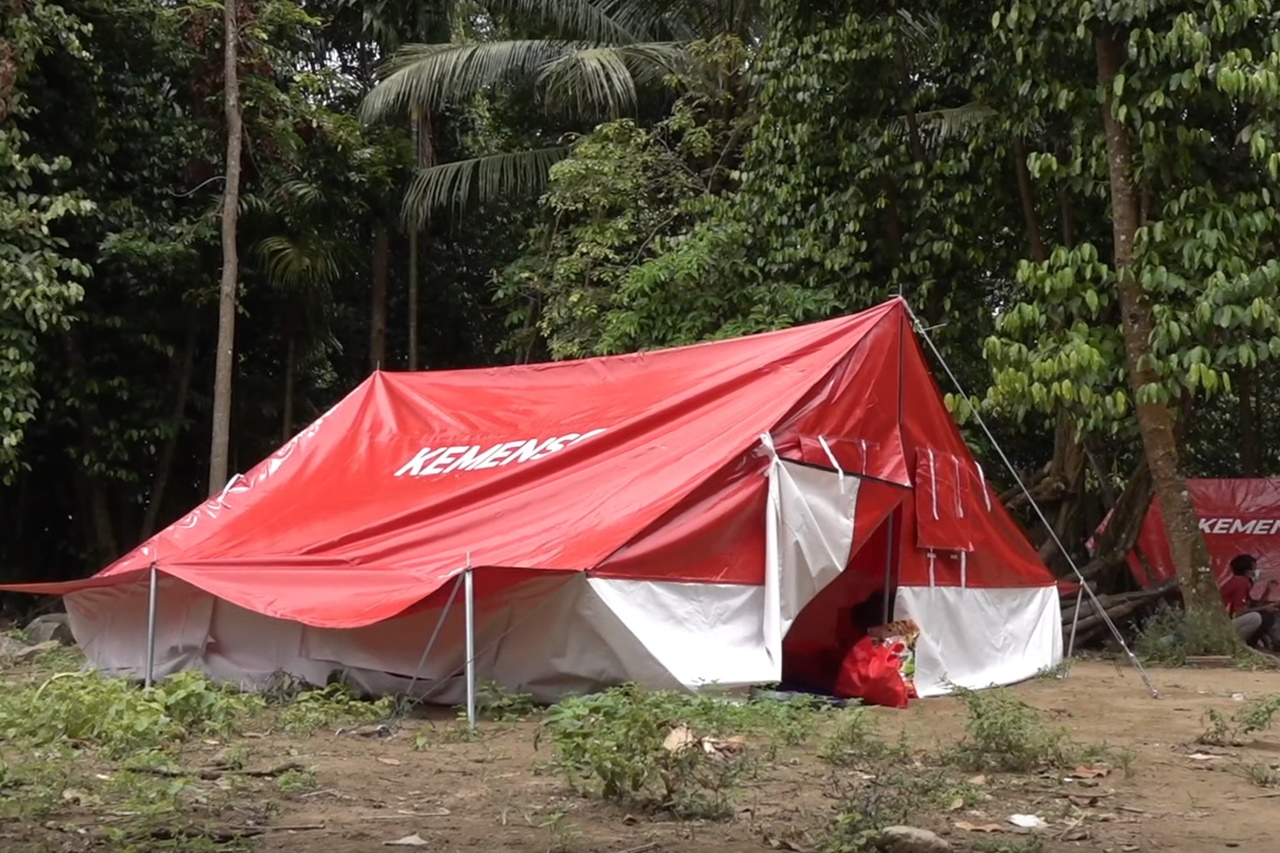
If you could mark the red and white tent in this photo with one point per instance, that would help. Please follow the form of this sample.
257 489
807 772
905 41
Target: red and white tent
666 517
1236 517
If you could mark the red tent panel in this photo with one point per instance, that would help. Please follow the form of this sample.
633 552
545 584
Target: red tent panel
645 466
1236 517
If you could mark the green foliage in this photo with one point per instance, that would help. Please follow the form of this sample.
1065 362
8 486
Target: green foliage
598 271
503 706
40 281
333 706
1203 255
1007 735
895 796
612 744
1232 730
1172 634
574 61
293 781
113 715
855 741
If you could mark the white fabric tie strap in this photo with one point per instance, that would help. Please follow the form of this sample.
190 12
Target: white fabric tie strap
834 462
982 480
959 494
767 440
933 483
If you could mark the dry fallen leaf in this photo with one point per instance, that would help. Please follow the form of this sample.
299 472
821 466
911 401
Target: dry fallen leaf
978 780
394 762
414 840
965 826
1090 772
679 738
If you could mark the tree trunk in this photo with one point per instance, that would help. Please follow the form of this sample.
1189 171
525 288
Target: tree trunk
164 465
290 357
424 146
378 315
219 452
1068 220
1155 419
1250 440
412 307
1027 195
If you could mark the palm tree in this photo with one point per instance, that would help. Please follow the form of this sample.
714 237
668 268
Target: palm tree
590 59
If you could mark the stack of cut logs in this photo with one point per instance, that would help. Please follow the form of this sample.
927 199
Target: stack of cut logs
1121 607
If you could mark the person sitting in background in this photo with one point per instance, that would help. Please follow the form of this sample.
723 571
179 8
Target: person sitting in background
1254 619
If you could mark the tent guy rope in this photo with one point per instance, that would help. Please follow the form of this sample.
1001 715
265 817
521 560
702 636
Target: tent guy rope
435 634
977 416
475 655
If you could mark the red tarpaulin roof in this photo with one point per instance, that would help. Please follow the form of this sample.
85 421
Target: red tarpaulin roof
646 465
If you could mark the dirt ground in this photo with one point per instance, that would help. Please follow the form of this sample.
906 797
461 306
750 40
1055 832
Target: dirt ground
356 791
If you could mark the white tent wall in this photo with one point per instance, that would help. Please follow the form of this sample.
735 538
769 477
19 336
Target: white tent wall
549 636
981 637
808 537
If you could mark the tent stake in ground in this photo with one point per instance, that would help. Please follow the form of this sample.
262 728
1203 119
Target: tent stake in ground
1084 586
151 629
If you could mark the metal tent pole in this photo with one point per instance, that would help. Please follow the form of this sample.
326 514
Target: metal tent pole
469 595
888 573
1075 620
151 630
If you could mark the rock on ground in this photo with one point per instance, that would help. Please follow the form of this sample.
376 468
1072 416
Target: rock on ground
50 627
909 839
10 647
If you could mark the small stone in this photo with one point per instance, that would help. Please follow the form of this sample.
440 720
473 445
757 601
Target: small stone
30 653
910 839
50 627
10 647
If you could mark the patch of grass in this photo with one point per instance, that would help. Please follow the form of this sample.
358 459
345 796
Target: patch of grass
1061 670
1006 735
89 709
503 706
611 744
1262 775
1172 634
856 741
869 803
32 789
1250 719
292 781
330 707
561 834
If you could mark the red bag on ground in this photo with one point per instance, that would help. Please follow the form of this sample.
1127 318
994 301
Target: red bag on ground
873 673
